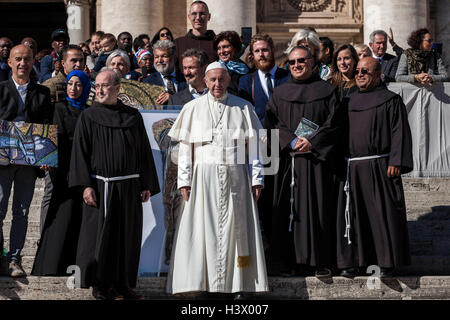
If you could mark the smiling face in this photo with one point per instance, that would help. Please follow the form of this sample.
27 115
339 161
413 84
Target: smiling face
379 45
21 62
163 62
345 63
94 45
199 17
263 56
74 87
106 91
300 64
366 76
225 51
192 71
217 81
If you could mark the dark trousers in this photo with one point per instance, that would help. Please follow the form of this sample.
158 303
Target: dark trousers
24 178
48 190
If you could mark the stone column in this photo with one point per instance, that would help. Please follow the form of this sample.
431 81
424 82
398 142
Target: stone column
230 15
78 20
442 29
402 16
136 17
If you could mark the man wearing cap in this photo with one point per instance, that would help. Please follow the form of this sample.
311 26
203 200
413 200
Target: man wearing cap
220 190
52 62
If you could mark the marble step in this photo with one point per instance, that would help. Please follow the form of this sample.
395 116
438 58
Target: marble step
295 288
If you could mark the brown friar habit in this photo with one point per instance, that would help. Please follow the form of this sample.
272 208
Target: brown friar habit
314 192
111 141
377 125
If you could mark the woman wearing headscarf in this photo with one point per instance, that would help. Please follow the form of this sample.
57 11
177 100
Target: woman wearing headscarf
419 63
228 45
145 62
58 244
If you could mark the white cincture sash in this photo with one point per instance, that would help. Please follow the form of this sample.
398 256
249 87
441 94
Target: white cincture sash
347 190
107 180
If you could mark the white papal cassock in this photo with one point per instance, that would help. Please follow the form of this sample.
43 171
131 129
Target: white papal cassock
218 246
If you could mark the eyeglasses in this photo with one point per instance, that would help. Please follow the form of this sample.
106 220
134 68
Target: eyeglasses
299 60
428 40
164 34
103 86
362 71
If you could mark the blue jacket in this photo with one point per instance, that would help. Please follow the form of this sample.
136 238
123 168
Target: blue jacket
47 68
260 99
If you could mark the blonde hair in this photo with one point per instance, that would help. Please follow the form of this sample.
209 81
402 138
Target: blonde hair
362 47
310 36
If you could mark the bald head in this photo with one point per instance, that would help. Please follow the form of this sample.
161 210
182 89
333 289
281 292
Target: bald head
31 43
5 47
21 62
368 73
107 86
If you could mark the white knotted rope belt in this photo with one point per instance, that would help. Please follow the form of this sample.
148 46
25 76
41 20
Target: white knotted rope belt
107 180
347 191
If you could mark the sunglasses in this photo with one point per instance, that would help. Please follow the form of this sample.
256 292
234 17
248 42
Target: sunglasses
362 71
164 34
299 60
428 40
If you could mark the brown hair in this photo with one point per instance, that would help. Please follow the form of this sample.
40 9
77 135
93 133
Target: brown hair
109 37
230 36
416 37
336 77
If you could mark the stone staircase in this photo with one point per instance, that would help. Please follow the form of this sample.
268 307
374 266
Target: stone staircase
428 209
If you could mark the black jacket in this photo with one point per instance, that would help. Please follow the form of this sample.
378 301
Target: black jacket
180 98
37 108
389 66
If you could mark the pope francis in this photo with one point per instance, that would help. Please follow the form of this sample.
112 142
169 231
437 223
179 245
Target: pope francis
218 246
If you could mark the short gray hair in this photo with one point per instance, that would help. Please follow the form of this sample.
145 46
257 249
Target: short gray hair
116 77
200 54
373 34
119 53
165 45
310 36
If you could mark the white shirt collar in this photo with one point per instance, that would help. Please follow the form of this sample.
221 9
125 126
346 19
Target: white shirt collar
377 57
272 72
21 87
192 90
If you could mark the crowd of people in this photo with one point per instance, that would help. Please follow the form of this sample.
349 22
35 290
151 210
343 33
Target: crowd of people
335 204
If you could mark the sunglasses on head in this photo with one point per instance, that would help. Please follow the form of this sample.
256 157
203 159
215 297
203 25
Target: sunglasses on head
362 71
164 34
299 60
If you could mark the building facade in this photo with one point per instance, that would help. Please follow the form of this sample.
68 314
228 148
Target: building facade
342 20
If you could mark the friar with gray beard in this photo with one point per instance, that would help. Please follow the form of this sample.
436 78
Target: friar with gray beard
167 75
